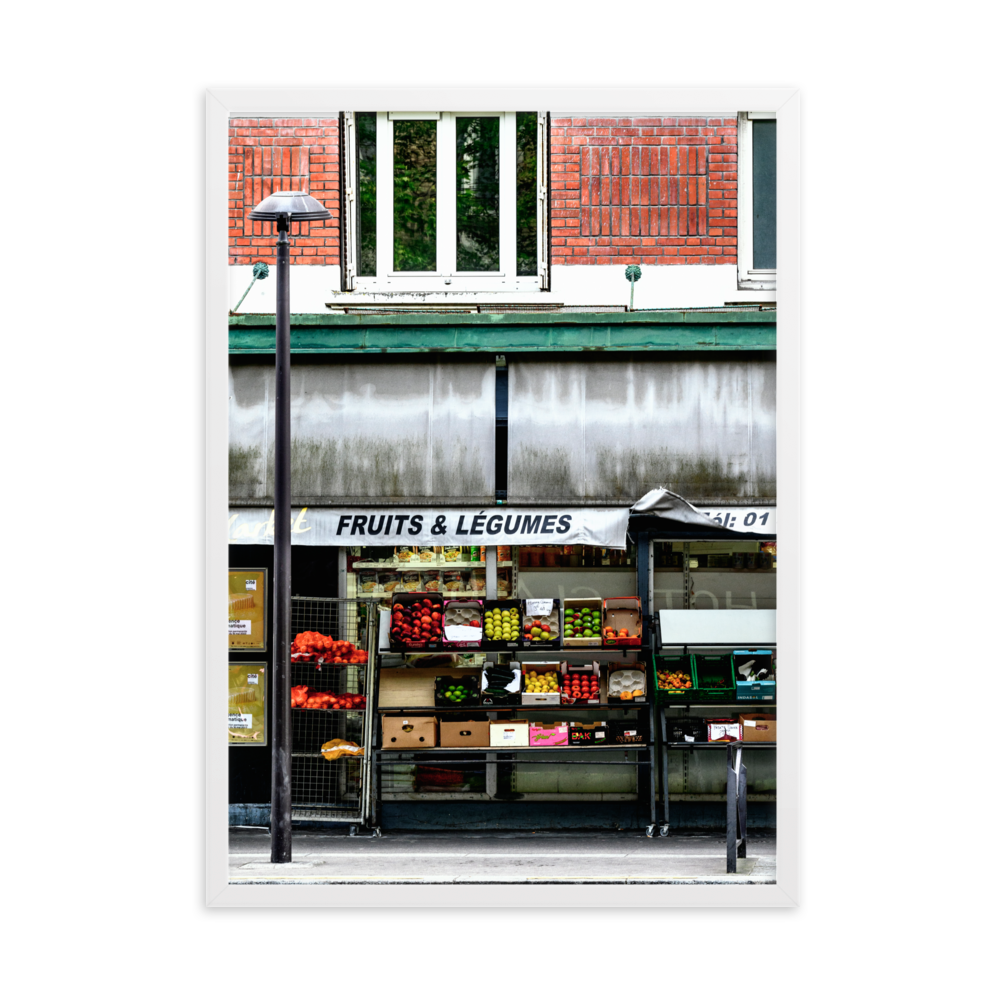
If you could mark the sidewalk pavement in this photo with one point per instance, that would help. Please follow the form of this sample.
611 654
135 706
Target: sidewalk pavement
495 858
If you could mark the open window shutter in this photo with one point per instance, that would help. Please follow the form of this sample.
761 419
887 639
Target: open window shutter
350 175
543 200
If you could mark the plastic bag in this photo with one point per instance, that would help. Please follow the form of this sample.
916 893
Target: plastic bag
334 749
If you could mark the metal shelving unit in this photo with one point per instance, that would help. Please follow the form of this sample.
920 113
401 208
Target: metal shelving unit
334 791
497 766
664 745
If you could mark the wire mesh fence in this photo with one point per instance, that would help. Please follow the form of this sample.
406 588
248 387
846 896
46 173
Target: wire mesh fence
331 677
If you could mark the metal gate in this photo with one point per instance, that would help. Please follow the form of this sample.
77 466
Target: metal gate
333 791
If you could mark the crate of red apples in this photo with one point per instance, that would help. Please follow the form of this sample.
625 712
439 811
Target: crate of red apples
304 696
417 622
314 647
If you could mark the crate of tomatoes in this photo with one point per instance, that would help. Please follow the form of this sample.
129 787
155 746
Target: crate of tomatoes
580 683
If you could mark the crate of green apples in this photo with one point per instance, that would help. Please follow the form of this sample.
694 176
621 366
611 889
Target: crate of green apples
581 622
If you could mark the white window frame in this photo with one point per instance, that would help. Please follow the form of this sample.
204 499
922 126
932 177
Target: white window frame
760 279
446 278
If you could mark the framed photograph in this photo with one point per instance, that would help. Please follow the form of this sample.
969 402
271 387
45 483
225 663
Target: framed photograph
248 610
248 707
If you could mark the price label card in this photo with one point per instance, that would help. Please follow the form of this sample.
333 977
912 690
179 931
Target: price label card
237 720
251 678
239 626
462 633
251 584
539 607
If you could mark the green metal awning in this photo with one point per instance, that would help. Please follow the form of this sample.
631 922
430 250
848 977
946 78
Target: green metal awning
653 330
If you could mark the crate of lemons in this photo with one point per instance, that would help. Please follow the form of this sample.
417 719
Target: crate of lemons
541 686
502 625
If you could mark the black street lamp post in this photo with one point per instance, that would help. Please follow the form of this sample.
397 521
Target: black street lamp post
283 208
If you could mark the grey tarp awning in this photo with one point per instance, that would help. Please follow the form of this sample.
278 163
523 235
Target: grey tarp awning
660 511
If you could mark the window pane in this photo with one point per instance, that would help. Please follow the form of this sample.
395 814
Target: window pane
414 173
477 194
764 193
527 192
365 121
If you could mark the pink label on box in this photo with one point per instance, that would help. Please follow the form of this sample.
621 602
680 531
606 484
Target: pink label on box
551 736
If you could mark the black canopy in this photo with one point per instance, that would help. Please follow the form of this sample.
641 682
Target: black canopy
661 512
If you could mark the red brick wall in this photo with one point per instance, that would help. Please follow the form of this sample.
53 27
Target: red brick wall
643 190
283 154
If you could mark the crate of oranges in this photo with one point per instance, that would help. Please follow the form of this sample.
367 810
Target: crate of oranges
674 679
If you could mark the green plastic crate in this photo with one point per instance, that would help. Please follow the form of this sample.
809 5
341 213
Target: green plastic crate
669 662
708 670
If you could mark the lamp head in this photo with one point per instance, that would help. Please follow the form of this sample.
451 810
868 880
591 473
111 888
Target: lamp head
295 206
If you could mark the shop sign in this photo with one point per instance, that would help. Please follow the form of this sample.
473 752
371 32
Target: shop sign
248 704
603 527
755 520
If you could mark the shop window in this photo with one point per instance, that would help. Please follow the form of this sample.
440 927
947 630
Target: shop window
445 201
715 576
756 201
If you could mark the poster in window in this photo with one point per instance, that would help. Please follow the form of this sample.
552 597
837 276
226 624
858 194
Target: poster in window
248 609
248 704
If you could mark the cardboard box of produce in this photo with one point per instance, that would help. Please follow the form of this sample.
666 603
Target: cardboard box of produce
758 728
686 731
588 733
468 733
541 626
548 734
502 625
501 685
580 683
580 616
453 691
403 732
628 684
725 730
463 624
622 614
512 733
541 683
627 731
416 622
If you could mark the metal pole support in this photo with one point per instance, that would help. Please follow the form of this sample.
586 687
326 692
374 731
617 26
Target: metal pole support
736 807
281 748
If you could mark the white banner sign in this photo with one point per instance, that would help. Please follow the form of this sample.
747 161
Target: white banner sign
603 527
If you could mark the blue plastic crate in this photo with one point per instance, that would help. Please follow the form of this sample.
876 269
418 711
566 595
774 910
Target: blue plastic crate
754 690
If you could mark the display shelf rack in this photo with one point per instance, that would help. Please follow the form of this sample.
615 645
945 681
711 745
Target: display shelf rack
428 753
417 564
603 706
